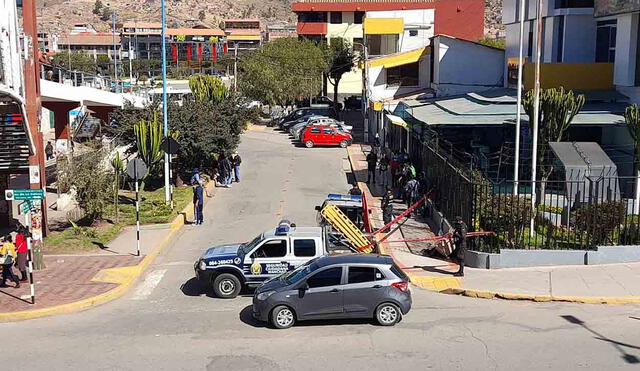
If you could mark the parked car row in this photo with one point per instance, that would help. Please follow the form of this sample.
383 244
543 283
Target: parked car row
316 126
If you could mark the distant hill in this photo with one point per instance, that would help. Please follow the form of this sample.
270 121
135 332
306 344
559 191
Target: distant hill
61 15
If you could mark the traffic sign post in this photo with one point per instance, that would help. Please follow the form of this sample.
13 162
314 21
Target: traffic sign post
136 169
23 194
171 147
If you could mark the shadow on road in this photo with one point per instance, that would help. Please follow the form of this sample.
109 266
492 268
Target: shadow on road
247 318
193 287
620 347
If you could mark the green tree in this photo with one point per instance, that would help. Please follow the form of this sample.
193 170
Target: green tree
106 15
283 71
97 7
75 61
632 119
202 15
208 88
341 59
557 110
91 180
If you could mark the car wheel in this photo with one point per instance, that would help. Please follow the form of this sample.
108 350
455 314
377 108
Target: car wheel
308 143
226 286
282 317
388 314
344 143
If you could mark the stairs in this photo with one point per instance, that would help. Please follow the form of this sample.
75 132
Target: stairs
14 143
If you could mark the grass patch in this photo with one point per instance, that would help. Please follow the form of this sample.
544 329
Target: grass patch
80 239
152 206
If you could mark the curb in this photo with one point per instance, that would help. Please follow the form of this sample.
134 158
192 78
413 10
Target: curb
125 277
453 285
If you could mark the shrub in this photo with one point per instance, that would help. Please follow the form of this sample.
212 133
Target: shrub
507 216
598 220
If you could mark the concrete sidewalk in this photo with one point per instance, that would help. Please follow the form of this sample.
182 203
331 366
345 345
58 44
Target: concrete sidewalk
611 283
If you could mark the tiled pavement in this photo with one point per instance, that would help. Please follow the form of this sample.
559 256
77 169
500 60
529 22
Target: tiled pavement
66 278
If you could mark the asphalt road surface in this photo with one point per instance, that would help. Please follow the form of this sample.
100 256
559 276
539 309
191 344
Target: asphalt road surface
168 322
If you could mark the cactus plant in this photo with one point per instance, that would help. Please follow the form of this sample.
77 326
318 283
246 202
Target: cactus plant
208 88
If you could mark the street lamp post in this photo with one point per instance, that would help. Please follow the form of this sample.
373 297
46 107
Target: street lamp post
167 157
365 88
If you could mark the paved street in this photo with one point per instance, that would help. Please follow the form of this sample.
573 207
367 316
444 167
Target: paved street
167 322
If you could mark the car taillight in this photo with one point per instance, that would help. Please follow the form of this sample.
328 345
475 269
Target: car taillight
402 285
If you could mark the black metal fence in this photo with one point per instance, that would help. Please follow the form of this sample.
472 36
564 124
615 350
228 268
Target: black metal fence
562 214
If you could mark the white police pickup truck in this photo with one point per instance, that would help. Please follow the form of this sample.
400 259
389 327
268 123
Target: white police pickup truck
229 268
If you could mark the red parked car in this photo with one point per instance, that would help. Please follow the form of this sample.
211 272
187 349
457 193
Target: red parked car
325 135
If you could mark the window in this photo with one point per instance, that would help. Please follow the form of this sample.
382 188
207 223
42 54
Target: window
530 41
271 249
357 17
328 131
315 131
312 17
358 42
304 247
413 32
336 17
398 272
364 274
560 39
606 41
574 4
328 277
407 75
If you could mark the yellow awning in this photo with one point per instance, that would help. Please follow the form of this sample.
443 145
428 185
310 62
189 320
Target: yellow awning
400 59
244 37
395 120
383 26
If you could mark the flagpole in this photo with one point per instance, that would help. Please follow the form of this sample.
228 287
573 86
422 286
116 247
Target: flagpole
516 165
536 113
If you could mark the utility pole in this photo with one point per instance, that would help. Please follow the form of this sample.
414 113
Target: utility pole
235 68
516 165
365 97
33 105
115 50
130 64
167 158
536 112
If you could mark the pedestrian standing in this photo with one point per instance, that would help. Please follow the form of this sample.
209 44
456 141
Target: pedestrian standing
372 162
23 251
224 169
411 193
236 161
355 190
383 166
460 242
198 203
387 208
228 171
48 150
7 258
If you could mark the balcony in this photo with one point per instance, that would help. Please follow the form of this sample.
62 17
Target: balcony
312 28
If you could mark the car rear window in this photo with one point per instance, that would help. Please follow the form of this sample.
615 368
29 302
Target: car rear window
364 274
398 272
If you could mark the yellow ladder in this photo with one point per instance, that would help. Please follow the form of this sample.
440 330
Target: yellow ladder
344 225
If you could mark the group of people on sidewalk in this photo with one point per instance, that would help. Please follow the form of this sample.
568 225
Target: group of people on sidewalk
225 170
399 179
14 254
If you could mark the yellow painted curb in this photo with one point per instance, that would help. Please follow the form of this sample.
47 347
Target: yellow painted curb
545 298
125 277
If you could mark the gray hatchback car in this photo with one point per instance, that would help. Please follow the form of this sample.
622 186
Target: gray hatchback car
335 286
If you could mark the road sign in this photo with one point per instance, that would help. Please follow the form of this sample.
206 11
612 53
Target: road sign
170 146
136 169
25 207
23 194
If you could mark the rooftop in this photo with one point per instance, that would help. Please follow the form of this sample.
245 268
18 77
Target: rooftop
495 107
88 38
354 259
195 31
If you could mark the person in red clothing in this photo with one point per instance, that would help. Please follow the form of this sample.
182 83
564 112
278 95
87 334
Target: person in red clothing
21 249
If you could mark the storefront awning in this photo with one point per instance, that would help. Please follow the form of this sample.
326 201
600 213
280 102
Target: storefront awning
400 59
395 120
